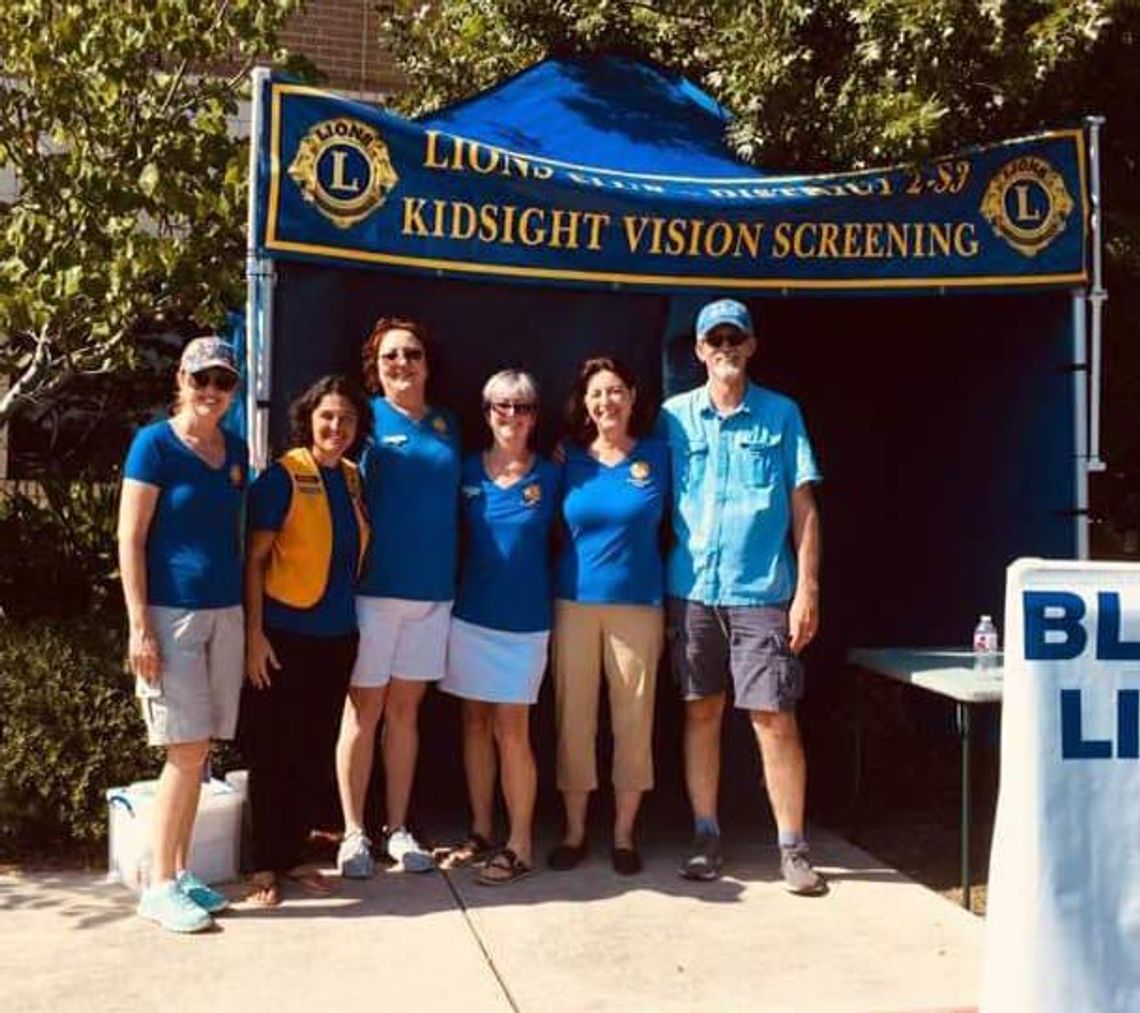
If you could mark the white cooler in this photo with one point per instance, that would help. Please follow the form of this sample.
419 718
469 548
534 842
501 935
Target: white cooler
214 847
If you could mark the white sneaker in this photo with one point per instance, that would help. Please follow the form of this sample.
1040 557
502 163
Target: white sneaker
407 852
354 857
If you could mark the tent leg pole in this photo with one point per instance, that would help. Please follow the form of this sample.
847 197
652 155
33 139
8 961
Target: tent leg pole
1080 425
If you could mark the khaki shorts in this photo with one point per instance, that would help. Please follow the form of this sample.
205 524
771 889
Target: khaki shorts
203 666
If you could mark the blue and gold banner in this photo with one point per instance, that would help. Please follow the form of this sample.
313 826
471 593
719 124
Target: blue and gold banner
346 181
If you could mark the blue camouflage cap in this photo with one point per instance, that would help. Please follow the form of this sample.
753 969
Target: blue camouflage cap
203 353
723 311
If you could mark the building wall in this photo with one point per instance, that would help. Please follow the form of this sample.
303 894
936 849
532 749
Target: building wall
342 37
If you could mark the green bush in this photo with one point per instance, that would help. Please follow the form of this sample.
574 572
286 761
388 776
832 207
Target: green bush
69 729
58 549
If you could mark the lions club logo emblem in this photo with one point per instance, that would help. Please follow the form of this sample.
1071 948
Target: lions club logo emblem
439 424
639 472
1027 204
343 168
531 494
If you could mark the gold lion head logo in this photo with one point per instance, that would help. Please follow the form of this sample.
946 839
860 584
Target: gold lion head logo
343 168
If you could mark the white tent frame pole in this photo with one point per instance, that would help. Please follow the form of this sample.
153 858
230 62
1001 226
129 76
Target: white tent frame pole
259 275
1097 295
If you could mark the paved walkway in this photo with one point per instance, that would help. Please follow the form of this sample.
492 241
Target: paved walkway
586 940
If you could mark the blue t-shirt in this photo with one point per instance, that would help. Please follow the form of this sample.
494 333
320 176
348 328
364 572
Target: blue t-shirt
335 614
411 481
733 479
505 582
193 547
612 514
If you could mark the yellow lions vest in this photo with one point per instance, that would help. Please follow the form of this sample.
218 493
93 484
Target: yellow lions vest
298 569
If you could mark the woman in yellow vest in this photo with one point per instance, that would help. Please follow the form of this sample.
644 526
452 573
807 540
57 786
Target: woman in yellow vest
308 536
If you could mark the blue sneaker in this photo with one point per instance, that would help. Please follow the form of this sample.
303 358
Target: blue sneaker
354 856
172 909
206 897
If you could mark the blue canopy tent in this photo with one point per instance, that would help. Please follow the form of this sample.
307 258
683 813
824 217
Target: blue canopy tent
593 205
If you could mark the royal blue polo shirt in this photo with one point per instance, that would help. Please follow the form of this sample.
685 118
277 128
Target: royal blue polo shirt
612 518
733 478
193 546
411 481
334 614
505 581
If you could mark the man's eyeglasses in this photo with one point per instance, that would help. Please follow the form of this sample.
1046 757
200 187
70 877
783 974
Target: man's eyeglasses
733 338
508 408
216 377
407 354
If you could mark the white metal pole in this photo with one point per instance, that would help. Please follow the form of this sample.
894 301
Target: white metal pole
259 293
1097 295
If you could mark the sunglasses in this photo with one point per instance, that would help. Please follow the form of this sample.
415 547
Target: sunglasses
508 408
216 377
407 354
734 339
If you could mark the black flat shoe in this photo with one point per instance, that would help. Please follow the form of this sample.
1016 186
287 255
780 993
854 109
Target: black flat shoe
626 861
567 856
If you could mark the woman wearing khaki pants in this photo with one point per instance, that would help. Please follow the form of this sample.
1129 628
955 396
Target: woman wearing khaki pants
607 612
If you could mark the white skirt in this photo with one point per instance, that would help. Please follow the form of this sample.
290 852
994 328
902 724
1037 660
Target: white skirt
494 666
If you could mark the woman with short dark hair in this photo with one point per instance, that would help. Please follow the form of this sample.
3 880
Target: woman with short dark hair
308 536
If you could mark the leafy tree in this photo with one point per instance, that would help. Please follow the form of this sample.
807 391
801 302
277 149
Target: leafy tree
826 85
130 188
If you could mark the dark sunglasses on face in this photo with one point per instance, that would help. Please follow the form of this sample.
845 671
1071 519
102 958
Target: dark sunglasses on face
407 354
507 408
733 338
219 379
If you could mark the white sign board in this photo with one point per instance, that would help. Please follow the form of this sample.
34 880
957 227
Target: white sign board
1063 909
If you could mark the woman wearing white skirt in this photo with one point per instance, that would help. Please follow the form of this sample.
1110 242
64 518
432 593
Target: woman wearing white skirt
496 651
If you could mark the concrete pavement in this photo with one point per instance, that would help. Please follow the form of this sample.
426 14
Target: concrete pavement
584 940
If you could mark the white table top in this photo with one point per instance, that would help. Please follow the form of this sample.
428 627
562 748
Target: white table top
947 671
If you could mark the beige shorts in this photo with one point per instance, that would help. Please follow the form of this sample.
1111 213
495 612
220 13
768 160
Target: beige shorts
406 639
203 666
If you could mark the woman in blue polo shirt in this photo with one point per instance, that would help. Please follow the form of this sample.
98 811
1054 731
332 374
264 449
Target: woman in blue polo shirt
608 602
180 560
411 476
308 535
499 631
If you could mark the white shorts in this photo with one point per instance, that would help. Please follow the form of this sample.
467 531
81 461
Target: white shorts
203 668
407 639
494 666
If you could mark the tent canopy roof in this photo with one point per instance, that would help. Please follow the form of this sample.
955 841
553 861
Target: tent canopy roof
630 117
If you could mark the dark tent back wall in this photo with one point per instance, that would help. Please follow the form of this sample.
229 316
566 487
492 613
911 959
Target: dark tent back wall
929 319
944 456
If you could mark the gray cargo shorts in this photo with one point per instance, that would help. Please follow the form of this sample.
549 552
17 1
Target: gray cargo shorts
709 643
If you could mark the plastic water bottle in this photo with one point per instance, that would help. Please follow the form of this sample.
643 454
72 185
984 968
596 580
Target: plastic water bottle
985 643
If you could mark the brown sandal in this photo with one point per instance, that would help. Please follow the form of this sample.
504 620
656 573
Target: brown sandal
475 850
264 890
503 867
311 881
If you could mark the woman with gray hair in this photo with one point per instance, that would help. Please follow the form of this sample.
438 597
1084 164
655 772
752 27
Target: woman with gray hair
500 626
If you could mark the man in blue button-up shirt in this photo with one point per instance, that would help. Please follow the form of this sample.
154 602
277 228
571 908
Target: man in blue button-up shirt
742 579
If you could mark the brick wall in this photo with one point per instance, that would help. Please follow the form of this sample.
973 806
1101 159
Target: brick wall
342 37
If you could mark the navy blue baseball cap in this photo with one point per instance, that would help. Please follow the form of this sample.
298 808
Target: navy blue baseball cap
723 311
